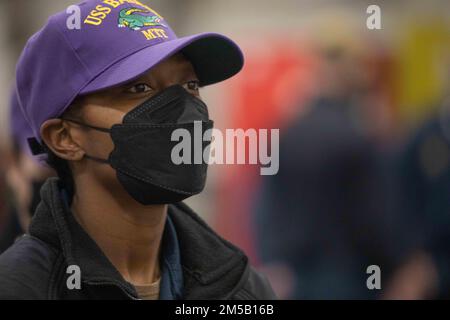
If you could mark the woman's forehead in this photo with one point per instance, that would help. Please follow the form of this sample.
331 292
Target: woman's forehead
176 66
175 69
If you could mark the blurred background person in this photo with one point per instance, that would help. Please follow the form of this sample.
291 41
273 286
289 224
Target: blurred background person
323 218
24 178
423 180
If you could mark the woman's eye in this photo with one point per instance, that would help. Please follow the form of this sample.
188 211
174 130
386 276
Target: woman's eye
139 88
193 86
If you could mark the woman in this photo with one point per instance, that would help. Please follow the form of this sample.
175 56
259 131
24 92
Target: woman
103 102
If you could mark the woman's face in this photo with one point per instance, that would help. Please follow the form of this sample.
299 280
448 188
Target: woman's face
108 107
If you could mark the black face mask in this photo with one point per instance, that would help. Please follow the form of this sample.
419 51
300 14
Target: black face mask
143 148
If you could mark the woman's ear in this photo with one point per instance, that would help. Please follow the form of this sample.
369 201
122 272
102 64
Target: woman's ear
56 135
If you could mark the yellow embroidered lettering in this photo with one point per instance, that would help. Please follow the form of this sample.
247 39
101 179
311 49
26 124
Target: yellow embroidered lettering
160 33
112 3
154 33
103 9
149 34
98 14
93 20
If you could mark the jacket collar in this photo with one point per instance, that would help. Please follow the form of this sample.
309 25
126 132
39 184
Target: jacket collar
212 267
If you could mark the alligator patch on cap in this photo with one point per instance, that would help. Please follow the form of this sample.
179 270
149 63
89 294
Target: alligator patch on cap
135 18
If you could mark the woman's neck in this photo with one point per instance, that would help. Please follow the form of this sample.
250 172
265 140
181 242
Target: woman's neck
128 233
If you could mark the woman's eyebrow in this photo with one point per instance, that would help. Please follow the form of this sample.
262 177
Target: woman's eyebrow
132 82
188 75
143 78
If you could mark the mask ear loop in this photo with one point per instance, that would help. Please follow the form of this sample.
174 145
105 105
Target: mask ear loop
93 128
87 125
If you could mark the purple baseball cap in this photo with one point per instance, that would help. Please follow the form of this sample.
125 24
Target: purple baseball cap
118 41
19 129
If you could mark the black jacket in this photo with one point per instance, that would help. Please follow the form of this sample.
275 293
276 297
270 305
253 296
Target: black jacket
35 266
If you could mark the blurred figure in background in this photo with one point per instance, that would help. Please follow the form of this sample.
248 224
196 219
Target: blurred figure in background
423 174
24 178
323 219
